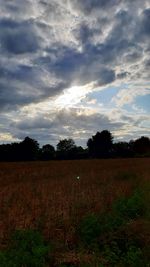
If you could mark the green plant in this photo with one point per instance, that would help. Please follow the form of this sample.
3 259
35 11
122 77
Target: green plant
133 257
112 253
27 248
110 222
89 229
130 208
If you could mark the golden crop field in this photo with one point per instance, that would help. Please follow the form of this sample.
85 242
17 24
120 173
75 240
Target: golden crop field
53 196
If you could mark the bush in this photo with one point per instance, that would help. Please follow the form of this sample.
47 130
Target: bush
27 249
130 208
112 253
89 229
133 257
110 222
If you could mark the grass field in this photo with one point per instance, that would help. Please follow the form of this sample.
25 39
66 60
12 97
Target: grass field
54 197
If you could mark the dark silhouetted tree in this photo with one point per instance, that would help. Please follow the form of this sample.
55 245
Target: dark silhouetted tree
66 149
100 145
47 152
122 149
29 149
141 146
80 153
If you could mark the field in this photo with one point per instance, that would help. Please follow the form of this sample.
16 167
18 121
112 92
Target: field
54 197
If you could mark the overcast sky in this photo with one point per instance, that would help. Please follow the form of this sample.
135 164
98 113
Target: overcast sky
70 68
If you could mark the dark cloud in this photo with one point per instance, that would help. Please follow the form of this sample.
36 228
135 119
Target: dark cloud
145 23
85 34
18 37
88 6
79 67
122 75
24 85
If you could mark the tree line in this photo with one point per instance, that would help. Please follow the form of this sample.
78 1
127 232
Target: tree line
100 145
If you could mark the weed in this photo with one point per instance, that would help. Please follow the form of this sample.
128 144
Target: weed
27 248
133 257
89 229
112 253
130 208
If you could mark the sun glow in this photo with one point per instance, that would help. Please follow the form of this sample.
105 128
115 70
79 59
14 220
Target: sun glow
73 95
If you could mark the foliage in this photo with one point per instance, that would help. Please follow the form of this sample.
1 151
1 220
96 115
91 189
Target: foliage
47 152
142 145
27 249
110 222
112 253
65 148
131 257
29 149
132 207
89 229
100 145
123 149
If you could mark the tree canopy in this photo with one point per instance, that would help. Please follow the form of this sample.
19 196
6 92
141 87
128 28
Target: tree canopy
100 145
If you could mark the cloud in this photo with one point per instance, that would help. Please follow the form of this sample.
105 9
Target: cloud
92 5
75 123
144 29
18 37
49 47
26 84
128 95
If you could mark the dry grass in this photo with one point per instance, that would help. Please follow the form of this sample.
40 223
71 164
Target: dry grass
49 196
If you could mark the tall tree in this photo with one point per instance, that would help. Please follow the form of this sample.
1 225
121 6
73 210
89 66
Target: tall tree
29 149
100 145
142 145
47 152
66 148
123 149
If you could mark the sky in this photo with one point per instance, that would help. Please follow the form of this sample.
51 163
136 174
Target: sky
70 68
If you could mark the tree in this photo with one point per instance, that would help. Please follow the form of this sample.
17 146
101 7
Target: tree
66 148
123 149
142 145
29 149
47 152
100 145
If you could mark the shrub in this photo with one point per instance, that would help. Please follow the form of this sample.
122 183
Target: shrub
27 248
112 253
110 222
89 229
130 208
133 257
